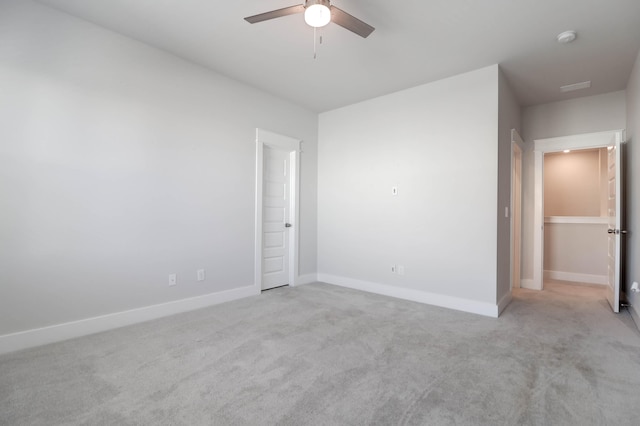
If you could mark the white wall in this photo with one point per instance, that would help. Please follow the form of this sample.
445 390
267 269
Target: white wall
120 164
438 144
576 116
590 114
509 118
633 187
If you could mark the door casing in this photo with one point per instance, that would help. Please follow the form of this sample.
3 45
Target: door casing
292 145
516 209
542 146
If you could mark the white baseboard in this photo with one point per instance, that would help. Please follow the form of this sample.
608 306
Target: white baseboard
575 277
635 314
506 299
528 284
59 332
307 279
459 304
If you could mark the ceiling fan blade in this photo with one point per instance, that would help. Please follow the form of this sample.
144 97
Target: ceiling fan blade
275 14
353 24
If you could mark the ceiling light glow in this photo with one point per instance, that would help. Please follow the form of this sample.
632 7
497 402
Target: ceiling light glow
317 13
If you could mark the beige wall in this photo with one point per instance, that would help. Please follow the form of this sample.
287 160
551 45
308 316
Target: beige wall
604 182
572 183
576 251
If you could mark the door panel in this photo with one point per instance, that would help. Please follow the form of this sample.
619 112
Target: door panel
273 265
614 212
273 240
275 214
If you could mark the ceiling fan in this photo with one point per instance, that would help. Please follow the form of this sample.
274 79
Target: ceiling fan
318 13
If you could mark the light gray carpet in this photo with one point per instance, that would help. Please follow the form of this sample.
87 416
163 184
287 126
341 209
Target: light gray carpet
324 355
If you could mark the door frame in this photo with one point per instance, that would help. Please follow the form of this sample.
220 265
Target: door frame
286 143
517 144
541 147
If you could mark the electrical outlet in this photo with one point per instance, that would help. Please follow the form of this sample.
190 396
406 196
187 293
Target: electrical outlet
200 274
400 269
173 279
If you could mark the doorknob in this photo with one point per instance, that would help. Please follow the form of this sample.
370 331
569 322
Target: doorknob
287 225
617 231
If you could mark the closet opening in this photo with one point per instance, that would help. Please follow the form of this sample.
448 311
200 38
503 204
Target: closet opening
579 214
576 216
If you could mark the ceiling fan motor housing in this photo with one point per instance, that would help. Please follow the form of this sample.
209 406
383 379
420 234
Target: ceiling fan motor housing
308 3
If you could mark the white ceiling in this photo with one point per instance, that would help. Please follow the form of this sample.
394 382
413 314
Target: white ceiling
415 42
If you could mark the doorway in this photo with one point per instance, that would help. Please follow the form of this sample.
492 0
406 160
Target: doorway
612 139
576 216
277 210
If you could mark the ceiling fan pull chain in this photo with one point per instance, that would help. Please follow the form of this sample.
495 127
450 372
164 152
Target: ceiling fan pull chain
314 43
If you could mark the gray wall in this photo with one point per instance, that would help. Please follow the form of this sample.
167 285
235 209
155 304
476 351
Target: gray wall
508 118
633 186
120 164
576 116
438 144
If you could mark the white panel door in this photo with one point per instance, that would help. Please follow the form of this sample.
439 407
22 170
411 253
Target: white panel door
614 212
275 218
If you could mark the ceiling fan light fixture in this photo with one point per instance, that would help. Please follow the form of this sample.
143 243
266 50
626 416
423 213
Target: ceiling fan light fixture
317 13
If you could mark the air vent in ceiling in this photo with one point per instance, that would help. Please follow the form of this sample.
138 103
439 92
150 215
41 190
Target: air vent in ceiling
576 86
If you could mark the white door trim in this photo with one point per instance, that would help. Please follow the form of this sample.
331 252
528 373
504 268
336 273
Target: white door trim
274 140
516 210
542 146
